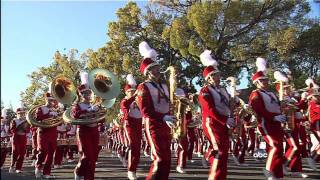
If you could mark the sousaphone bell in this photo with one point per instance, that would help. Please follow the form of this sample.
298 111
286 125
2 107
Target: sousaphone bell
106 88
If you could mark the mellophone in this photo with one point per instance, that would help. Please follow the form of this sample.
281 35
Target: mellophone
73 141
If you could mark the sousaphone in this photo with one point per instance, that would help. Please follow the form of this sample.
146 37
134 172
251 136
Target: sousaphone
46 123
63 90
106 88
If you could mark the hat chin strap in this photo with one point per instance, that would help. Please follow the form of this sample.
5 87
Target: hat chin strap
152 77
260 85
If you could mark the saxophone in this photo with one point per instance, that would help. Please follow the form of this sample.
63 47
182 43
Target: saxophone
178 105
236 131
288 108
246 110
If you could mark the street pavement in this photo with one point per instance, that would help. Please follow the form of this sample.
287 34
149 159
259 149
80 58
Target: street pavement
110 167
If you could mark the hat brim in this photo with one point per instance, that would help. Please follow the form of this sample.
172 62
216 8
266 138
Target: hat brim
148 67
213 72
264 77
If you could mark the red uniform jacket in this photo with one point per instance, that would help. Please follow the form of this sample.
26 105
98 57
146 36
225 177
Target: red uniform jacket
130 109
79 109
314 113
266 105
21 131
43 113
153 100
214 105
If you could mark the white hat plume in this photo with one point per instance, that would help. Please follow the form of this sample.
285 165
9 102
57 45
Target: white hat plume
207 60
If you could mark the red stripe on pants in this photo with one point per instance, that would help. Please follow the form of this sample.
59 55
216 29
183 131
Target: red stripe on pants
293 153
133 129
19 145
273 135
34 145
158 134
58 155
47 143
88 145
182 151
252 138
304 142
219 141
191 142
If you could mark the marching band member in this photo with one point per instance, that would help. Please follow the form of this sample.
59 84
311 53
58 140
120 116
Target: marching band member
5 136
267 107
19 140
314 117
62 129
241 144
292 158
146 146
121 139
216 117
132 126
71 134
191 135
88 135
47 138
153 101
34 145
251 131
182 150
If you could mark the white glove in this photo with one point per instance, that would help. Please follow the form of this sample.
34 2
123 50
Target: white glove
170 124
304 95
169 119
93 108
280 118
253 118
53 113
231 123
246 106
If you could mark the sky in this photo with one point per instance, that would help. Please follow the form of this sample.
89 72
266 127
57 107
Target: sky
31 32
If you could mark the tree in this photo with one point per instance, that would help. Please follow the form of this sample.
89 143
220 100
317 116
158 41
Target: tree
10 112
67 65
120 55
236 31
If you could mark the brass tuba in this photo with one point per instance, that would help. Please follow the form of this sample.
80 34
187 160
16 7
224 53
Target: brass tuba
47 123
106 88
63 90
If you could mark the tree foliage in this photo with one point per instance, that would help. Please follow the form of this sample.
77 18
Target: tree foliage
68 65
236 31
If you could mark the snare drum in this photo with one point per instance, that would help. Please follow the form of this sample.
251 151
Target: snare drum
4 144
72 141
62 142
103 139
